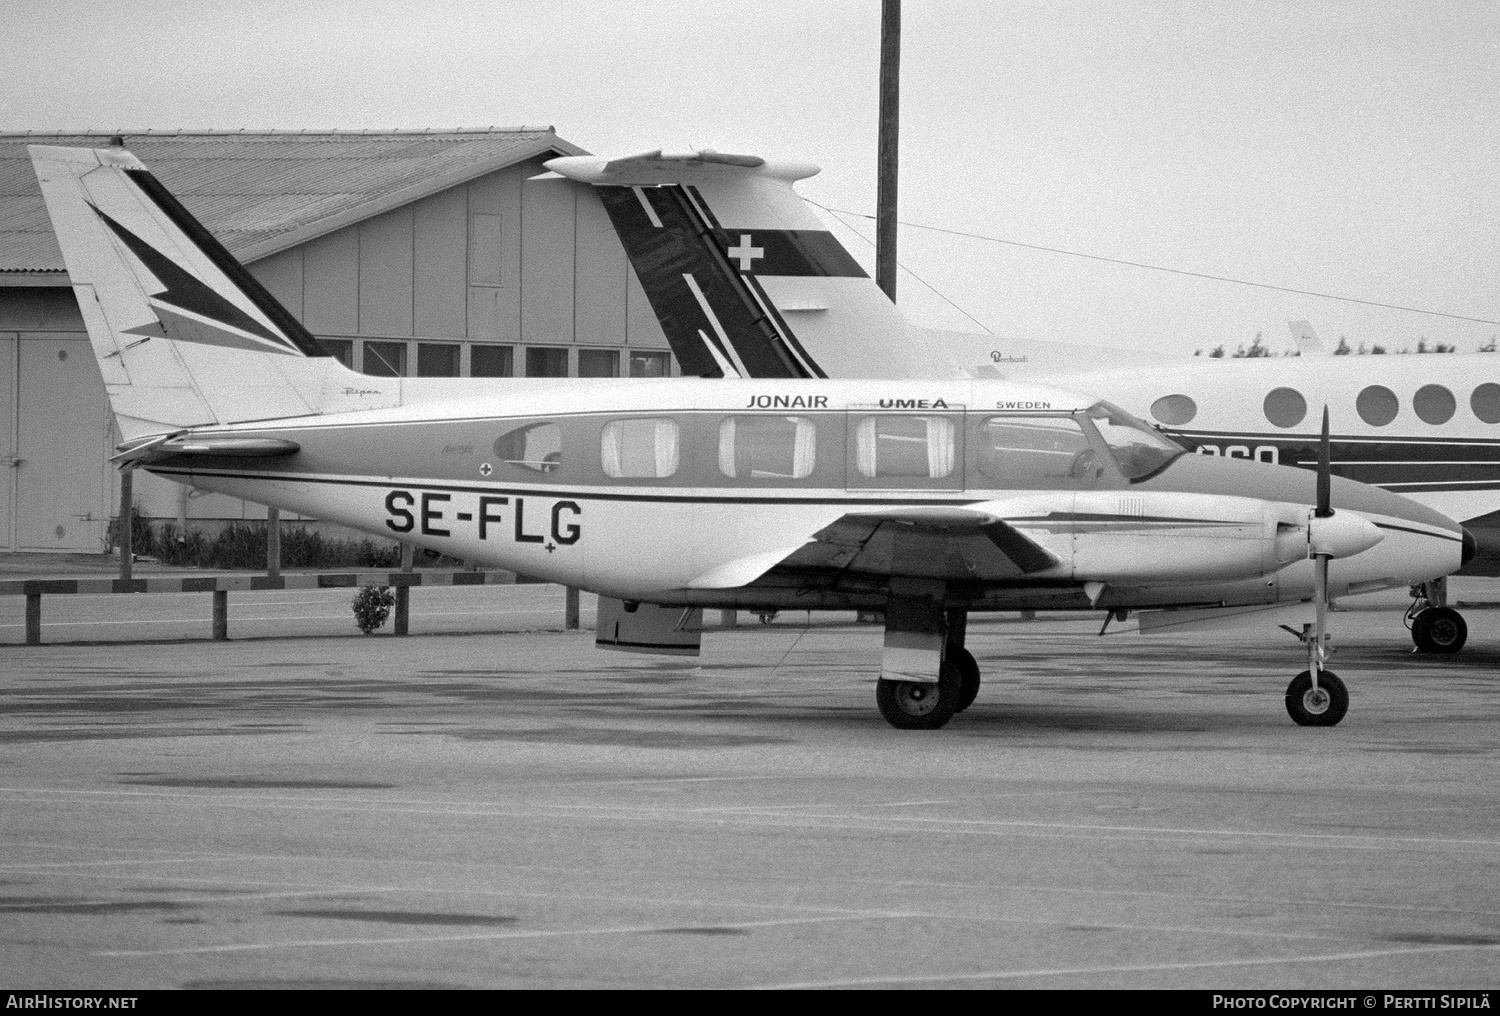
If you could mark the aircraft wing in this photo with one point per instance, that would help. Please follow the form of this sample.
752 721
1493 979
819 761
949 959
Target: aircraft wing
952 543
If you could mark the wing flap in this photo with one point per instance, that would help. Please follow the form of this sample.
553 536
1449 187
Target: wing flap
957 544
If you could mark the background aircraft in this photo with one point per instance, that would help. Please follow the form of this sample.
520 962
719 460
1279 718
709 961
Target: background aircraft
922 499
733 261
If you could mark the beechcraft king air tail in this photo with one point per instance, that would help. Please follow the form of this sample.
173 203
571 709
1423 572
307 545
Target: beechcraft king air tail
731 258
922 499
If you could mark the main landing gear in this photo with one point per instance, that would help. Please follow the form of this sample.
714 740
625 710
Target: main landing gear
921 638
1435 626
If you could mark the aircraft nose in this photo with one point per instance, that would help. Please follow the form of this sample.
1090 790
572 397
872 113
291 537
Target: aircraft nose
1471 547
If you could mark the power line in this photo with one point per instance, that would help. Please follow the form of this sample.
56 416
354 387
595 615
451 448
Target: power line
933 289
1173 271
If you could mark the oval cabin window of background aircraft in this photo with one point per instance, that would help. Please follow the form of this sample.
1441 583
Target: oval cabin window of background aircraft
639 449
1285 407
1174 410
1433 404
767 447
1486 402
1377 405
536 447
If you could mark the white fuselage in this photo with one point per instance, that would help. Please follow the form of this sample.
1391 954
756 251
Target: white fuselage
654 490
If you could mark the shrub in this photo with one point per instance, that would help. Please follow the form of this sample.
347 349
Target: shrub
372 605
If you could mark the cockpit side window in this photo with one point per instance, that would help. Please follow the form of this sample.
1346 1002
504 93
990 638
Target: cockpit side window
537 447
1022 451
1138 450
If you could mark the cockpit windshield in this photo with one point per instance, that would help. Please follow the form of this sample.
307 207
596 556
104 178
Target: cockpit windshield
1138 450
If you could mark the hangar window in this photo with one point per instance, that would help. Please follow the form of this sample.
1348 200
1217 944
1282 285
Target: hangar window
1486 402
1434 404
598 363
1285 407
491 361
1021 450
767 447
650 364
1174 410
544 361
437 359
905 446
537 447
341 350
642 448
384 359
1377 405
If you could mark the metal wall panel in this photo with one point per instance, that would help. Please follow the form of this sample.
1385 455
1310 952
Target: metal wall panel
438 297
602 272
281 274
330 288
547 241
642 330
385 273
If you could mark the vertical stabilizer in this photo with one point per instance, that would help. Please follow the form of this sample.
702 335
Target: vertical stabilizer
743 277
184 335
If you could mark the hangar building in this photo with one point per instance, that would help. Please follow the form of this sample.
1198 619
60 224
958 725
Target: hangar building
429 253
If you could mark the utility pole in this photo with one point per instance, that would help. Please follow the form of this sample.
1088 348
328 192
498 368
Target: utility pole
890 123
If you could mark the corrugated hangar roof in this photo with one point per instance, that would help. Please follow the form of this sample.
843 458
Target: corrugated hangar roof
261 192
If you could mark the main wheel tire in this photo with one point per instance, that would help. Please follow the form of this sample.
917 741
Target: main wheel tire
1439 630
968 676
912 705
1323 708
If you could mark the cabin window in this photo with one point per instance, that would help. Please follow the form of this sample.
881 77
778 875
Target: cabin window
767 447
537 447
1485 401
1174 410
1434 404
1377 405
644 448
1285 407
1026 449
905 446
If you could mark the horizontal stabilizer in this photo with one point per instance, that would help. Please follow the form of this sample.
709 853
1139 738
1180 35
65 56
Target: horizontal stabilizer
169 446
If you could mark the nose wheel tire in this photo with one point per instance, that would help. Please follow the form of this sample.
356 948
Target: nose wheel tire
1439 630
912 705
968 676
1323 707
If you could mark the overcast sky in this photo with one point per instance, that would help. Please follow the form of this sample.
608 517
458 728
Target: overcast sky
1343 148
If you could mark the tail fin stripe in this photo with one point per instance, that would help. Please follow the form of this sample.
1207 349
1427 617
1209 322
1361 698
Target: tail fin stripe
225 262
640 194
789 339
713 319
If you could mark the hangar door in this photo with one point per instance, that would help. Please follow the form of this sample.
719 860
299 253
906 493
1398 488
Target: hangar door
62 484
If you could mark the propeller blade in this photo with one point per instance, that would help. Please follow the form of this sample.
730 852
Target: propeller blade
1325 473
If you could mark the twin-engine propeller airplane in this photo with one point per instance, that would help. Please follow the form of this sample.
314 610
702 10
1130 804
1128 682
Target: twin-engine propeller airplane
748 283
923 499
